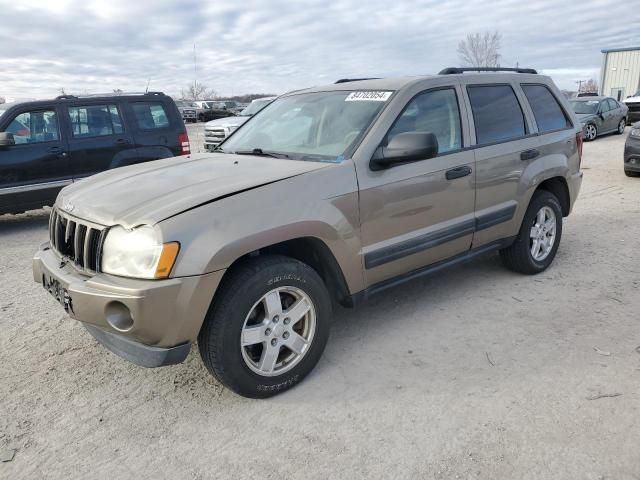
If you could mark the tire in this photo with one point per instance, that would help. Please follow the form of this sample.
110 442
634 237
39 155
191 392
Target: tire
630 173
240 307
590 132
519 257
621 126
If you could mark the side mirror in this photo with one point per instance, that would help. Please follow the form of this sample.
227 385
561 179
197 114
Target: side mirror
405 147
6 139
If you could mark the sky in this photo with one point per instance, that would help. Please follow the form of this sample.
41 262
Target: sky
272 46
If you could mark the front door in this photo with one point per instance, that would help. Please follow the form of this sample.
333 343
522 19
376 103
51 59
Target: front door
97 139
419 213
36 167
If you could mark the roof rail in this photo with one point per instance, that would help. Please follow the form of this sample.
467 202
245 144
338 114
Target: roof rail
456 70
111 94
347 80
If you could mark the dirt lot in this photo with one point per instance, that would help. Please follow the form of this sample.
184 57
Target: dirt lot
476 373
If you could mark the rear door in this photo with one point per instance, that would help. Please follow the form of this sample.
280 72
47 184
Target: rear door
34 169
98 140
503 141
608 116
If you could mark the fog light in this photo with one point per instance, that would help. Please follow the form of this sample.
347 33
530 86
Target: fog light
118 316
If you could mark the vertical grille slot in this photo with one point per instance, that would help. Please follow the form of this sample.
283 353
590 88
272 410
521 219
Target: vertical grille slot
76 240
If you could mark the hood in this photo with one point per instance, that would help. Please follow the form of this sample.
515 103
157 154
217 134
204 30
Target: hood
584 117
149 192
235 121
632 100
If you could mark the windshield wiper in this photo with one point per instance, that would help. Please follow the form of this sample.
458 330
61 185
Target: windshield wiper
261 153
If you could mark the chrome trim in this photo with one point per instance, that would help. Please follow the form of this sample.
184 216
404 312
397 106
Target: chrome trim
35 186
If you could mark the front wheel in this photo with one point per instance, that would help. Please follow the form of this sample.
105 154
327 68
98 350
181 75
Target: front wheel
267 327
590 132
537 242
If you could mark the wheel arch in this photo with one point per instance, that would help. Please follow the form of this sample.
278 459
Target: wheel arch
558 186
311 251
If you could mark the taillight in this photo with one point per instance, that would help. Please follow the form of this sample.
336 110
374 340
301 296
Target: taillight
579 142
183 140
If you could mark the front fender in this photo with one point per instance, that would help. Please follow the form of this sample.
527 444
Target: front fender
214 236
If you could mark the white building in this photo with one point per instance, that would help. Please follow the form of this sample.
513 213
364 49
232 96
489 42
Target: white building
620 72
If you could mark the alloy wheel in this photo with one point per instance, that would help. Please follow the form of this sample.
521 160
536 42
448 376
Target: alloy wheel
278 331
591 132
543 234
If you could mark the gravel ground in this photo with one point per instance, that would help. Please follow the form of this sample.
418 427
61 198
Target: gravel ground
475 373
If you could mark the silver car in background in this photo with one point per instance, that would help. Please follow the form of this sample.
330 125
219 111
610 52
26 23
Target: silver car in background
600 115
217 130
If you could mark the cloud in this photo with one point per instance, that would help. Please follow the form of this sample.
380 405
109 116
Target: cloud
275 46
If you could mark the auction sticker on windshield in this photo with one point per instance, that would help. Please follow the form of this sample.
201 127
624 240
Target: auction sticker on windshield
368 97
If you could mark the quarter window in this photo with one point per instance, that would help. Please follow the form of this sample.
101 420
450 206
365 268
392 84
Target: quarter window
34 127
546 109
150 115
95 121
435 112
497 114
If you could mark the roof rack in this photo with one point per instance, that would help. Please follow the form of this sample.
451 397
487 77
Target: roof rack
347 80
112 94
456 70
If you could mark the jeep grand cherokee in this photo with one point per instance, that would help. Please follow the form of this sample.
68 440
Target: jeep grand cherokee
332 193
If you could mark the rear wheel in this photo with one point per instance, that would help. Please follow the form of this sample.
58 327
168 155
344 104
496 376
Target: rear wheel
267 326
537 242
621 126
590 132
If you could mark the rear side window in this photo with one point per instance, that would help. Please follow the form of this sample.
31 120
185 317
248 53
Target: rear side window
546 109
95 121
150 115
497 114
435 112
612 104
34 127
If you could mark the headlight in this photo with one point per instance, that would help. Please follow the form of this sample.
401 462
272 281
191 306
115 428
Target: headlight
137 253
635 132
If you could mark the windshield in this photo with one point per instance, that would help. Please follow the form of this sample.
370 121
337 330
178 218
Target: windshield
588 107
254 107
312 126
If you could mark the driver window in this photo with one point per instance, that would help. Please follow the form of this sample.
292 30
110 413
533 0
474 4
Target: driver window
34 127
434 112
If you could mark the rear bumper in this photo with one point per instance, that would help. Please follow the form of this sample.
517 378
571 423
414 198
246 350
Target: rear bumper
149 322
574 182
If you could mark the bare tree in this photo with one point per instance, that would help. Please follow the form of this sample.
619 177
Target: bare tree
62 91
480 50
197 91
590 86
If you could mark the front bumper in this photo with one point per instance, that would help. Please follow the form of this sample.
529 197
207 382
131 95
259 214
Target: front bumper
148 322
632 154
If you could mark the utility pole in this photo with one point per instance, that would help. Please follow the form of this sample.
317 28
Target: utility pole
195 73
580 82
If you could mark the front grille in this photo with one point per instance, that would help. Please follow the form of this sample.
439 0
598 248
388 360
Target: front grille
214 135
76 240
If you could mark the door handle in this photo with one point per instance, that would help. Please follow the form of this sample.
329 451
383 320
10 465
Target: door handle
529 154
458 172
58 152
122 141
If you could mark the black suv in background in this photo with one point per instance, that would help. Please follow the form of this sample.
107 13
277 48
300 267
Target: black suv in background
48 144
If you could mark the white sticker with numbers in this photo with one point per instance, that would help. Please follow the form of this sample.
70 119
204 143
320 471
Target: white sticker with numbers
368 97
